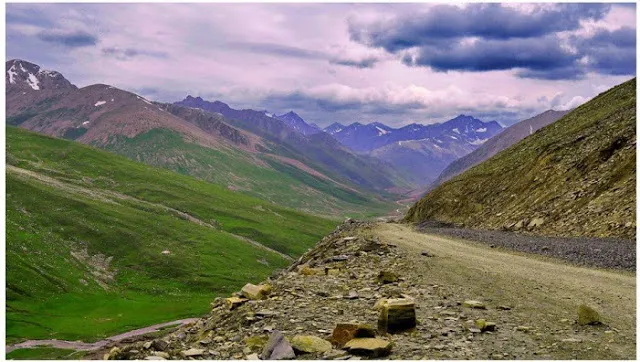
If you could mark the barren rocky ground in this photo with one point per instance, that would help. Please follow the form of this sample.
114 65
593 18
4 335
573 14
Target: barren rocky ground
533 302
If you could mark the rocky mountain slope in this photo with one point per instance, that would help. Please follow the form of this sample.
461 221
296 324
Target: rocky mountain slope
499 142
189 141
575 177
382 291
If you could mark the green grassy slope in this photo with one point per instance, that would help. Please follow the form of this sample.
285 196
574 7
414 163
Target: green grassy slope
255 175
577 175
86 230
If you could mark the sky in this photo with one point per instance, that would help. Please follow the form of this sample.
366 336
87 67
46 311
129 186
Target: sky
390 63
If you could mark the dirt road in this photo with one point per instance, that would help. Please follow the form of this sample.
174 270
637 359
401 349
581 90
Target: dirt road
544 293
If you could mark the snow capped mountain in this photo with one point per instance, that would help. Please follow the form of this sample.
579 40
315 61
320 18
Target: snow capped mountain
295 122
421 151
334 128
28 77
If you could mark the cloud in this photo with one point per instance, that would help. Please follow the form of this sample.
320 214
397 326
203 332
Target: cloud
363 63
129 53
488 21
491 37
73 39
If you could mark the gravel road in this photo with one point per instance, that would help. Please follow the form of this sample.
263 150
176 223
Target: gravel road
594 252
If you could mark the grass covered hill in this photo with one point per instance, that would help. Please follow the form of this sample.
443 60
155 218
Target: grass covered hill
575 177
98 244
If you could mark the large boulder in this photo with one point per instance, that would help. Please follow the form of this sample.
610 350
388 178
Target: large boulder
588 315
396 315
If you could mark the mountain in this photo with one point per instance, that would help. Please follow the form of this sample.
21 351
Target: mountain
319 150
465 129
503 140
574 177
334 128
295 122
97 244
418 152
186 140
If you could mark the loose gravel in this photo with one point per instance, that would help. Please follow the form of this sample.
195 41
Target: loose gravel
593 252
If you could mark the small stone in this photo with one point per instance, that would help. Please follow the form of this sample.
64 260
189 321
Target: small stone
503 307
571 340
523 328
387 277
147 345
352 295
159 345
588 316
253 356
192 352
371 347
235 302
164 355
277 348
256 292
344 332
474 304
485 326
427 254
536 222
310 344
397 315
154 358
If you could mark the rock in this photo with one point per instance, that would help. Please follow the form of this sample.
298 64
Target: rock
427 254
159 345
485 326
310 344
166 252
147 345
235 302
519 225
331 271
277 348
523 328
588 316
386 277
397 315
536 222
253 356
305 270
503 307
154 358
164 355
371 347
114 353
344 332
352 295
474 304
256 342
571 340
192 352
256 292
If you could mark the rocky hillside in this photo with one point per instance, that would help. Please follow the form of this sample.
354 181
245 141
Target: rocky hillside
575 177
498 143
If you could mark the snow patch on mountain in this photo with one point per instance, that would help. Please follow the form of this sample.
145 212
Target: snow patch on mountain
99 103
12 73
32 80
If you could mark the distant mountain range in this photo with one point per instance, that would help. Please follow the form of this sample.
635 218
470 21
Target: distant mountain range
418 152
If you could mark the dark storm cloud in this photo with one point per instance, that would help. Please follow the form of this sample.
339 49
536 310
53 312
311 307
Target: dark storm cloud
487 37
489 21
75 39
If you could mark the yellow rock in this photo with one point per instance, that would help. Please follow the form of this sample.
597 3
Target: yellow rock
256 292
235 302
372 347
397 315
310 344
